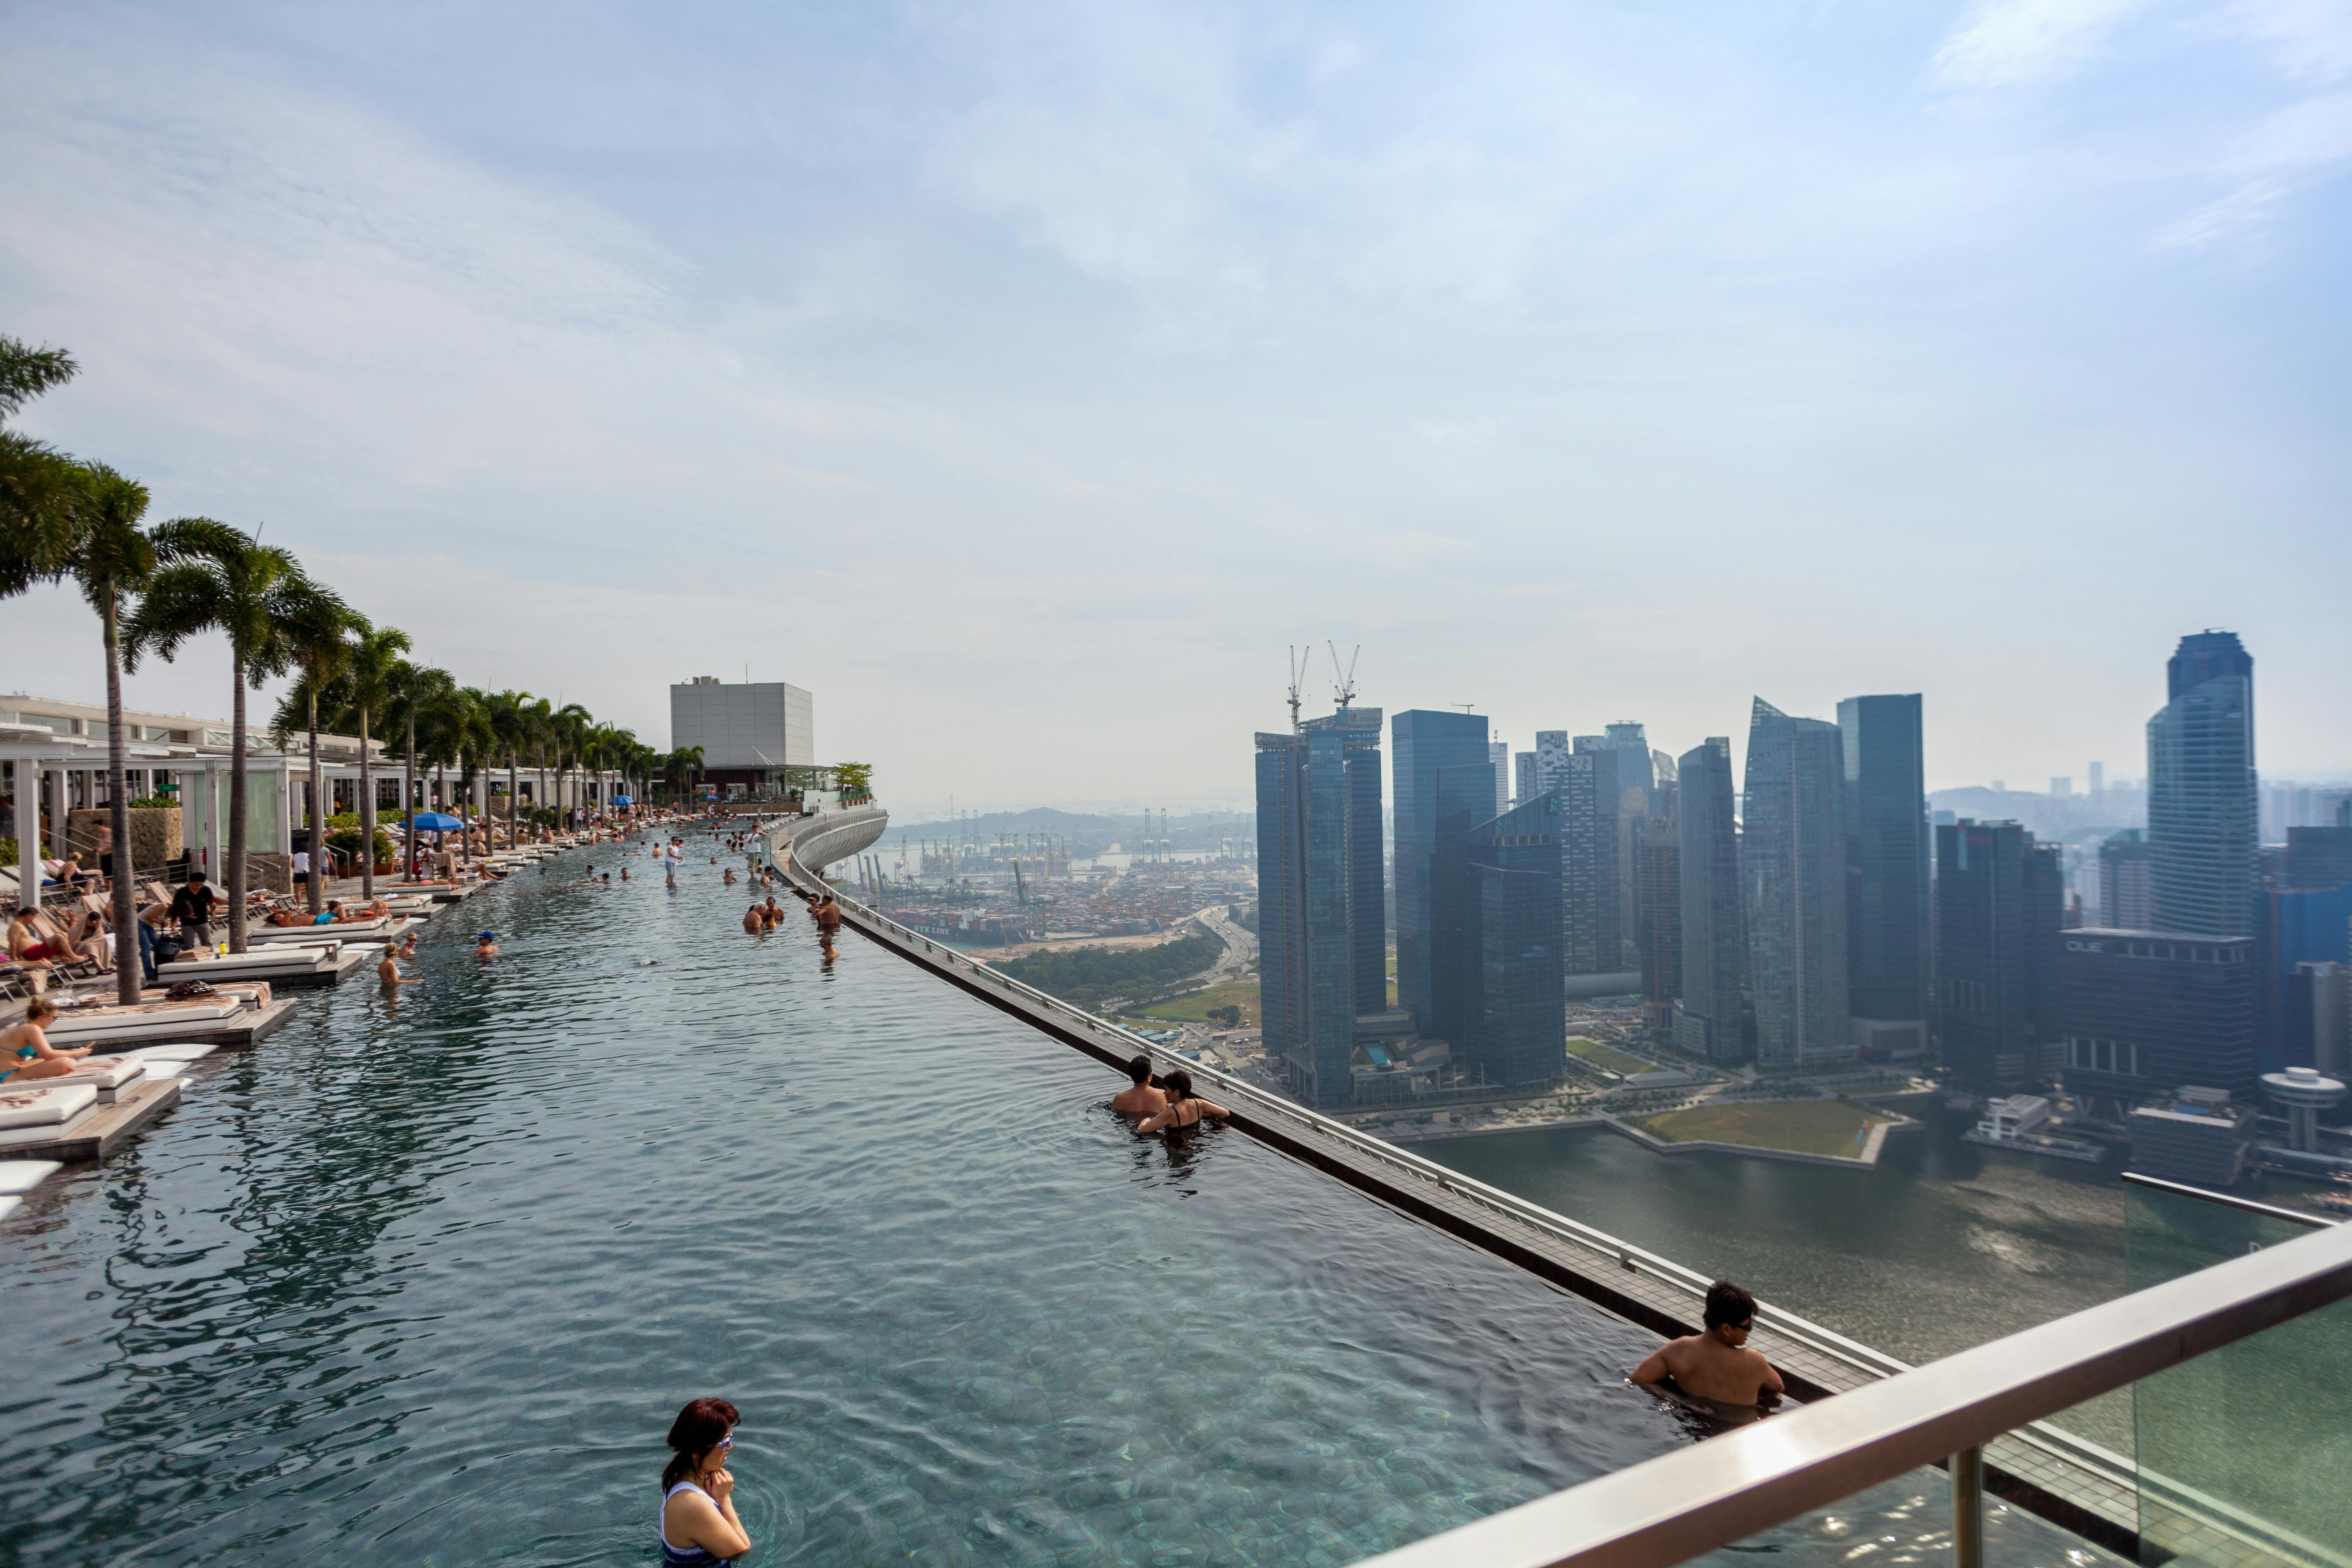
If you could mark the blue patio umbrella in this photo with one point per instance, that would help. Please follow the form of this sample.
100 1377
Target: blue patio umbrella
623 800
437 821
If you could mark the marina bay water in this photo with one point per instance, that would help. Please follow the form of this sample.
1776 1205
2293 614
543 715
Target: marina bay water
422 1280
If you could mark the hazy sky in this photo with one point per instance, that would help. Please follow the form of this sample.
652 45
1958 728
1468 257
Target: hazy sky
1023 379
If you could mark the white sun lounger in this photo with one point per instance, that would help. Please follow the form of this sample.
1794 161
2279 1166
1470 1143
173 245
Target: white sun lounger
183 1051
44 1107
18 1177
112 1077
94 1026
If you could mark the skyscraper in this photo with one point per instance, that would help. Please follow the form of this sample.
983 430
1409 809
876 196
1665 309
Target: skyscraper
1321 942
1792 850
1886 872
1429 744
1714 918
1585 779
1998 899
2202 794
1659 931
1502 995
1636 800
1498 753
2126 890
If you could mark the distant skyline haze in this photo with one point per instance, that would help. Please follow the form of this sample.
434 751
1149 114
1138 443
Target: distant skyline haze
1024 379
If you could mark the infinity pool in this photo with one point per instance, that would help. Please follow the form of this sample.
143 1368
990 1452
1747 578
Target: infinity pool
421 1280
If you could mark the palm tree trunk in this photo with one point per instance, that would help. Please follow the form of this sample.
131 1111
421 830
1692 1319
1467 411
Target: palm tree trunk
408 800
127 971
514 799
317 890
539 800
236 877
367 814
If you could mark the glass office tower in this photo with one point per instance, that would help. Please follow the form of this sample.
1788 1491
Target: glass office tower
2202 794
1886 872
1998 907
1585 779
1500 990
1321 941
1714 917
1792 850
1427 743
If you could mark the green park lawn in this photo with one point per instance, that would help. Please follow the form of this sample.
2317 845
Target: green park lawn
1194 1009
1804 1127
1601 1056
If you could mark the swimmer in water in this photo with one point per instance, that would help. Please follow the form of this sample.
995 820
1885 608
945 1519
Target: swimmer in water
1140 1098
1183 1109
1715 1371
731 874
388 972
486 945
625 873
753 921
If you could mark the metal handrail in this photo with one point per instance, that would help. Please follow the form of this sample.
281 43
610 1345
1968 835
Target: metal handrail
1613 1249
1713 1494
2224 1200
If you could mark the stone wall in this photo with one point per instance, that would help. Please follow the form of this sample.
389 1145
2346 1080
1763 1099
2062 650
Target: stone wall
155 836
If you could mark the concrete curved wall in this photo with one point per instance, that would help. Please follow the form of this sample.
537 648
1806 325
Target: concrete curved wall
830 837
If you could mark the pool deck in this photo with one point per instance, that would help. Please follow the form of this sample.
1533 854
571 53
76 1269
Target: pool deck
2071 1484
105 1132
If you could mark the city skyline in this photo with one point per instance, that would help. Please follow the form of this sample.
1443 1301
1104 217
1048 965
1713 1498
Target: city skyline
915 359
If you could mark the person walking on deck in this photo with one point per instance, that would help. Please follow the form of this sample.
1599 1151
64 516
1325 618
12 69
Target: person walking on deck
192 906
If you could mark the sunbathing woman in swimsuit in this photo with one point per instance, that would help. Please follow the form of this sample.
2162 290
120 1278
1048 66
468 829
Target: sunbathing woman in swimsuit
1183 1109
25 1053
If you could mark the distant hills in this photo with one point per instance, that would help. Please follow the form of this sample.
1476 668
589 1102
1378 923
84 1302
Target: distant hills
1088 834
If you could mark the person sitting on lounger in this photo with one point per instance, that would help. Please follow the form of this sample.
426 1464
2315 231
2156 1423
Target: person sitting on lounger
1715 1370
1184 1108
25 1053
28 947
1139 1099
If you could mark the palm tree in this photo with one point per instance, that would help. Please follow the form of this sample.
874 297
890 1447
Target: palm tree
110 555
417 692
220 581
569 727
316 627
373 672
40 489
511 724
538 721
475 738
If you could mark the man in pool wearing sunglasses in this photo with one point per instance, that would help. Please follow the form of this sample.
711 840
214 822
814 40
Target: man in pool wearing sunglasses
1715 1371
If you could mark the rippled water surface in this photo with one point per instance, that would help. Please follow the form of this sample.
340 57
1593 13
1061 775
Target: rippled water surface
422 1280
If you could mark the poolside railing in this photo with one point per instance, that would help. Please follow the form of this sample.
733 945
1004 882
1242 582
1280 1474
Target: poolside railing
1947 1413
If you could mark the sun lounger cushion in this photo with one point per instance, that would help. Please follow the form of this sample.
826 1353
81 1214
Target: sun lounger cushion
20 1176
281 956
184 1051
43 1132
8 1205
99 1072
44 1106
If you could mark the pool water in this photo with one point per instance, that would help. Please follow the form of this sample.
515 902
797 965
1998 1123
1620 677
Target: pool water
422 1280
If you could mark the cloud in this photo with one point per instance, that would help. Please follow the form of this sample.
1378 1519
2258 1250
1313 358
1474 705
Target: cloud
2293 148
2005 43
